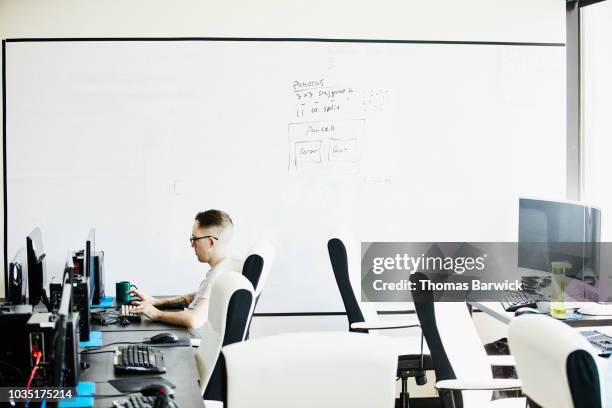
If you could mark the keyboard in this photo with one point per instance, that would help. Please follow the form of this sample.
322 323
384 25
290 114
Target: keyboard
126 313
514 300
599 340
140 401
138 358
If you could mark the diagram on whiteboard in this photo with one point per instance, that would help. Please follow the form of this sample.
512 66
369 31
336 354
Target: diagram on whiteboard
325 148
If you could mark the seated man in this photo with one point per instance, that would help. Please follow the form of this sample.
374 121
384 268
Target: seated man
211 239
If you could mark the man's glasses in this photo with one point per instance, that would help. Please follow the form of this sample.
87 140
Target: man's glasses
193 238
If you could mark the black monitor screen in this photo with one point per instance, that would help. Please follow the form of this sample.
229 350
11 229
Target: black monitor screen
17 279
36 267
552 231
90 253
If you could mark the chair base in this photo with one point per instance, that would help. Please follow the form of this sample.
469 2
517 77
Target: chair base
403 400
411 365
404 397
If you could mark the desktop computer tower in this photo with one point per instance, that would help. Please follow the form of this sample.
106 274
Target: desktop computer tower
97 279
72 369
81 305
40 330
55 295
14 352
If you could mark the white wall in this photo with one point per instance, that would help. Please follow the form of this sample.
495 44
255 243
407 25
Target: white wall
469 20
597 99
443 20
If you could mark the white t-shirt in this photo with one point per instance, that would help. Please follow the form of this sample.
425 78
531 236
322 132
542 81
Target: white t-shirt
203 292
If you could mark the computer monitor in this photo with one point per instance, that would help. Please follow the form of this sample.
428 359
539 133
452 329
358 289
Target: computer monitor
68 276
88 261
552 231
57 377
90 251
17 279
36 265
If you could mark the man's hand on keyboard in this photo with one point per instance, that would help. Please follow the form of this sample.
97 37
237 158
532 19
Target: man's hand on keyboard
143 296
146 308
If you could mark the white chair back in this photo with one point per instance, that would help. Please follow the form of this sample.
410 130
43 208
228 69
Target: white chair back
305 370
464 348
230 292
552 359
456 349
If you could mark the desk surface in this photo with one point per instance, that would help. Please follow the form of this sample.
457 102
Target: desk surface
496 310
180 366
145 324
603 324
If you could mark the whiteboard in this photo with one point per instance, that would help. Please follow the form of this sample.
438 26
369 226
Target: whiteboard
396 141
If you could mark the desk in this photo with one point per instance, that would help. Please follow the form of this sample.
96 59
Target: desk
180 364
145 324
496 310
602 324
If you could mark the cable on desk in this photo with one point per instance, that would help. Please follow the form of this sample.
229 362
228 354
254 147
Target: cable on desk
145 343
106 317
110 344
38 356
97 352
114 395
166 345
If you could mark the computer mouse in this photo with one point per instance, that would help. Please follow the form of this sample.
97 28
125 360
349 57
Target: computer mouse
525 310
156 388
164 338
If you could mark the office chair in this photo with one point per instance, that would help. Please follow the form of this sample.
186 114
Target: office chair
306 370
463 370
362 318
555 363
256 269
229 311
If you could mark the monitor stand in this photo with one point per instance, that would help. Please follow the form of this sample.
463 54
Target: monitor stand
44 300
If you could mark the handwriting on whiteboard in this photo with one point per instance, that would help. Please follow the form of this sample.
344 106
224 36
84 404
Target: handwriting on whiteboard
325 147
317 98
